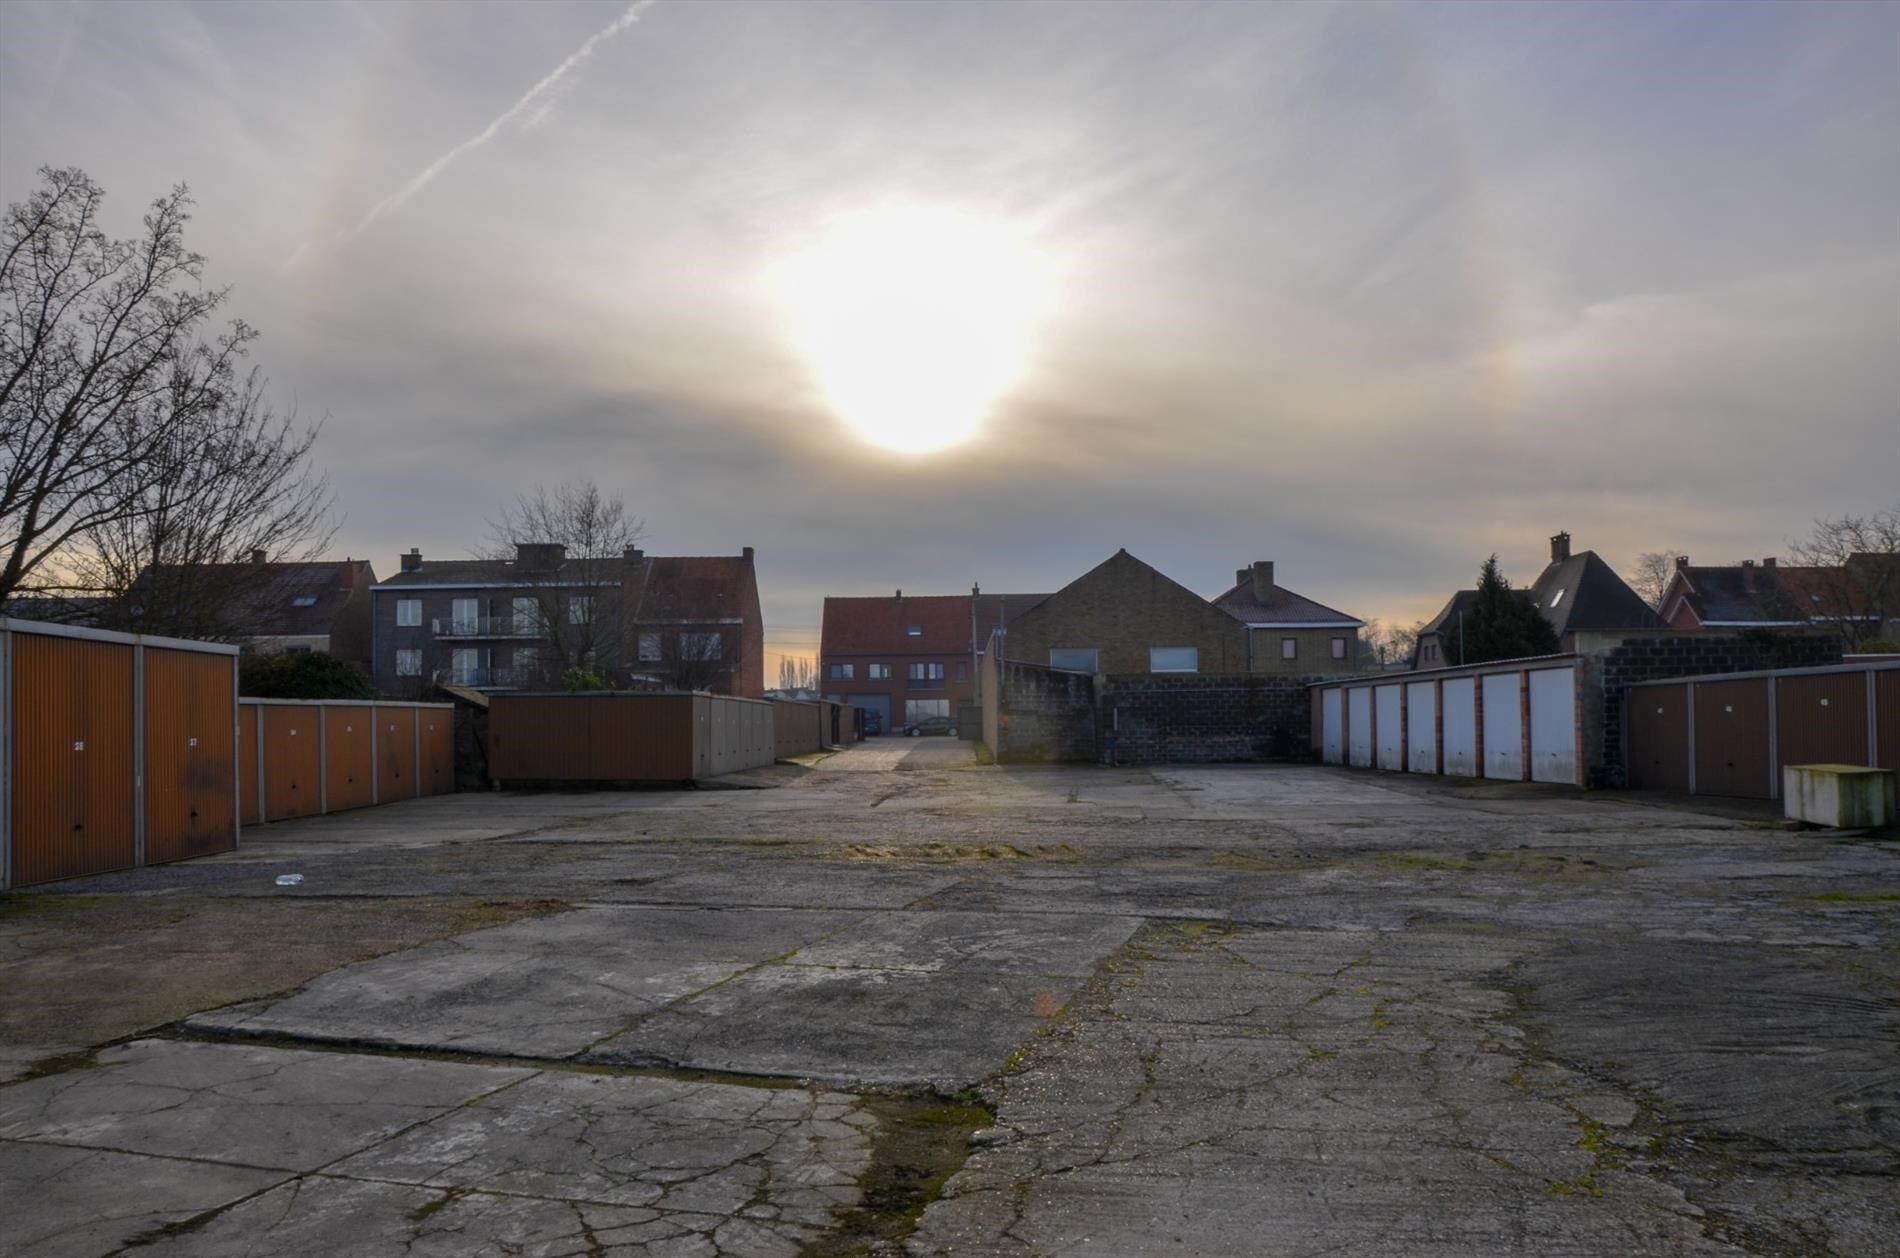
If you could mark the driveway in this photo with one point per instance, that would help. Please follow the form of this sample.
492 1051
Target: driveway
909 1004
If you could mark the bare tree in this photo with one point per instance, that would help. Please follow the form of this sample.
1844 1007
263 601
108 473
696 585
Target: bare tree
102 373
1390 644
1652 574
231 484
797 673
1854 582
577 588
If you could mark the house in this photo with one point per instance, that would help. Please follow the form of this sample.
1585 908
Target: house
1288 632
631 618
319 606
909 658
1858 597
495 624
694 622
1124 617
1575 593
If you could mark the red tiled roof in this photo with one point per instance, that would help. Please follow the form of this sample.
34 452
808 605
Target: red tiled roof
870 626
690 587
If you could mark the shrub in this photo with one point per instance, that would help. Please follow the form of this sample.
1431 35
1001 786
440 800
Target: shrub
307 676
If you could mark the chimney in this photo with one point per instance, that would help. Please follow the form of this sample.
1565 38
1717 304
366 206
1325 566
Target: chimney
1682 562
257 555
1769 563
412 561
1242 576
900 594
1748 575
1560 548
1262 576
746 554
633 554
540 556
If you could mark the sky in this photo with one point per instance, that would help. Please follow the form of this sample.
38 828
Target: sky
1370 290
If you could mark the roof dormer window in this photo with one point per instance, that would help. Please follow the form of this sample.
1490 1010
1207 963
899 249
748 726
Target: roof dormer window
1556 598
304 600
915 631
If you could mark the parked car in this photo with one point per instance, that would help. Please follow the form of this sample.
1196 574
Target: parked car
930 725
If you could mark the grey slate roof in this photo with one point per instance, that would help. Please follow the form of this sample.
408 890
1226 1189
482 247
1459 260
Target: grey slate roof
1583 592
1283 606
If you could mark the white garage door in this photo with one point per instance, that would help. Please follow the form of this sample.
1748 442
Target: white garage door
1391 729
1554 725
1359 725
1503 728
1331 749
1421 747
1461 727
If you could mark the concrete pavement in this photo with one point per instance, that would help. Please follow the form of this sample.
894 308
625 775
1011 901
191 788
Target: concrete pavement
909 1004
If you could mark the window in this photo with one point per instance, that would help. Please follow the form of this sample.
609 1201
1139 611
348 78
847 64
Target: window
1174 659
649 647
465 614
843 672
409 611
879 672
304 600
580 609
1075 659
526 614
963 670
701 646
1555 599
408 663
463 666
926 672
915 631
1289 648
527 663
1339 648
920 709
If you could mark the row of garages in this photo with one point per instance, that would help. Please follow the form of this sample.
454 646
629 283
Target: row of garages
121 750
1515 721
1734 734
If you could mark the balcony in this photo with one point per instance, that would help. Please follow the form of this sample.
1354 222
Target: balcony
448 627
485 678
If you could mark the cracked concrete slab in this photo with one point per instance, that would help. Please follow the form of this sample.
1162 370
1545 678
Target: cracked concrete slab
250 1106
66 1202
784 1156
1365 1014
545 988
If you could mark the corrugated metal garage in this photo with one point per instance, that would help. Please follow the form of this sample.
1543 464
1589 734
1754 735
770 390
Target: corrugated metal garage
118 748
303 757
1734 734
1460 725
1389 726
1553 708
618 737
1421 730
1503 727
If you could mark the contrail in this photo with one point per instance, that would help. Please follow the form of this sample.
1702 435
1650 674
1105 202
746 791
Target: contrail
399 198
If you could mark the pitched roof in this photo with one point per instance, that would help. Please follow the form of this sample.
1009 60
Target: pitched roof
882 623
690 587
1761 594
1583 592
1283 607
269 599
497 572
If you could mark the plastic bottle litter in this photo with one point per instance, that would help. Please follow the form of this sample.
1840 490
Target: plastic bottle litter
289 880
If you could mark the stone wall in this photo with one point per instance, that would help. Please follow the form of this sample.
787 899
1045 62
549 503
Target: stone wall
1616 661
1199 720
1041 715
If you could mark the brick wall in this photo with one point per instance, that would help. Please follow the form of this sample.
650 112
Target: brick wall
1122 608
1183 720
1613 662
1042 715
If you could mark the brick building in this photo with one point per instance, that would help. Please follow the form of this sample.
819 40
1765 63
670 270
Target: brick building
1575 593
909 658
1287 632
1860 598
674 622
1124 617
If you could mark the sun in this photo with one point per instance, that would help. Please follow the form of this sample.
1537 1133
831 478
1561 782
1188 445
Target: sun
913 323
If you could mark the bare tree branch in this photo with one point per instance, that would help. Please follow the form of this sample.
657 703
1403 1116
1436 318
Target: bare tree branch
577 599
